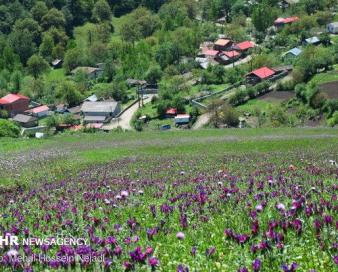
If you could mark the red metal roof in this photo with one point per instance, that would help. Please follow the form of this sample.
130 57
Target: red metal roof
287 20
245 45
171 111
40 109
263 72
231 54
209 52
10 98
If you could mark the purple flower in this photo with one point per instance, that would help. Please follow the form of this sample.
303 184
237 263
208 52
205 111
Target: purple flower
193 251
243 269
292 268
153 262
335 259
280 207
256 265
182 268
180 235
210 251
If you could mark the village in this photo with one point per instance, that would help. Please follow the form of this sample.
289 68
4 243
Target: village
224 68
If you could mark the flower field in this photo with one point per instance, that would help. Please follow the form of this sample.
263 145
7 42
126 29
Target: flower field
272 208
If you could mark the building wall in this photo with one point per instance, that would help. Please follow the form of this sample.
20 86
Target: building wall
16 107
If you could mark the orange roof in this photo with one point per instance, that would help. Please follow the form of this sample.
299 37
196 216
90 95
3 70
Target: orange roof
222 42
10 98
263 72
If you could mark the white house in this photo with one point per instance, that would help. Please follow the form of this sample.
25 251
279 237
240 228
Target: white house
181 119
333 28
100 112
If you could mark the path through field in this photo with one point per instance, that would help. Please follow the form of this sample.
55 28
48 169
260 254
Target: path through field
124 120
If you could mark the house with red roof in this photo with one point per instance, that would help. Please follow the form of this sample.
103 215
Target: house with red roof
222 44
243 46
208 53
280 22
40 111
260 74
171 112
227 57
14 103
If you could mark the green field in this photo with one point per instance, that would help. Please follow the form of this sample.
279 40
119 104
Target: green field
207 200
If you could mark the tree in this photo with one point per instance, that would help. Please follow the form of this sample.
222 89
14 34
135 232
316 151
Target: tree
16 80
101 11
8 129
154 74
67 92
54 18
39 10
22 43
46 47
263 16
36 65
73 58
166 54
229 115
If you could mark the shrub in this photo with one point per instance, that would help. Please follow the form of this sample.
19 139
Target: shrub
8 129
333 120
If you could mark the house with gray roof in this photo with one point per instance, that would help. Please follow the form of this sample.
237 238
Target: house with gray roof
25 121
100 112
91 72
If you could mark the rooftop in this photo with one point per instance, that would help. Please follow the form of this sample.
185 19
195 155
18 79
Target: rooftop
245 45
103 106
10 98
86 70
222 42
22 118
263 72
40 109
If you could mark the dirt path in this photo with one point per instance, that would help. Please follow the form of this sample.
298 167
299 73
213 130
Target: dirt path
124 120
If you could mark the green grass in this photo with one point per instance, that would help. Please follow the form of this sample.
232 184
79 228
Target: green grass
83 150
325 77
55 75
254 104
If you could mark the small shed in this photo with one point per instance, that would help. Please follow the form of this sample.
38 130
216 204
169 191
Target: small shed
280 22
171 112
25 121
243 46
40 111
57 63
292 54
333 28
260 74
91 72
312 41
222 44
182 119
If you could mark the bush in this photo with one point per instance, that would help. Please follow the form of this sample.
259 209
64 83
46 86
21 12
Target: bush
8 129
333 121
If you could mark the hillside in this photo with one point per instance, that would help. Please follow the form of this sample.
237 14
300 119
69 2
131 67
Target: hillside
59 53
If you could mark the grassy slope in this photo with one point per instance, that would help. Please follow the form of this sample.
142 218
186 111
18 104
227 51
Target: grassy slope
56 157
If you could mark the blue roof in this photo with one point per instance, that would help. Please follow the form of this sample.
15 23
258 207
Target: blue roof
295 51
